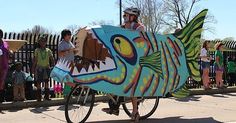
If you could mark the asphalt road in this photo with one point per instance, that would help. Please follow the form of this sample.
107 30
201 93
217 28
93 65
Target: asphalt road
195 109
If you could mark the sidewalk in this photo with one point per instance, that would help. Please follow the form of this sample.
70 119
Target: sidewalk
61 101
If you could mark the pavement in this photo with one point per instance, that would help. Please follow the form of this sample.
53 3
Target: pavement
98 98
215 108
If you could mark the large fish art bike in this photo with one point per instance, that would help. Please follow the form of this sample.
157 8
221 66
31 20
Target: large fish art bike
129 63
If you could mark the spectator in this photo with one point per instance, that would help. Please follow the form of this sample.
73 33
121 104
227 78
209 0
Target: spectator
66 52
231 69
19 79
4 57
205 63
219 65
42 64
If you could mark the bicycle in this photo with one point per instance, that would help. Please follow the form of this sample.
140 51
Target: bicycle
81 100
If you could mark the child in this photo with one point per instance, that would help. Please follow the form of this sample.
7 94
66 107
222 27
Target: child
18 83
43 61
66 52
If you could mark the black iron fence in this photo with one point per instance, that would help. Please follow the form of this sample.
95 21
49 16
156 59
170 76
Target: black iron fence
25 54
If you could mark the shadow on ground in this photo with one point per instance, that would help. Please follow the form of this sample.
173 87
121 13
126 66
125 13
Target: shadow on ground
62 107
188 99
165 120
220 95
39 110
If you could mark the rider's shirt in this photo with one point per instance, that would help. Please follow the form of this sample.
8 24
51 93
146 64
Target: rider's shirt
135 26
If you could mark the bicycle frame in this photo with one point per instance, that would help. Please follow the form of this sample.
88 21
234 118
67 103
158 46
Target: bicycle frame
115 99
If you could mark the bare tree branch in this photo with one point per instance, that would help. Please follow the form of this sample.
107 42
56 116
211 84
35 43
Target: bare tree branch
166 15
151 13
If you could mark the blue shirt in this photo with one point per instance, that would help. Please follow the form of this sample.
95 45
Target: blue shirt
18 77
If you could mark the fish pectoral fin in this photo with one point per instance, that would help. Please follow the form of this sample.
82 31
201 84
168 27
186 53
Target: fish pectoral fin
152 61
182 92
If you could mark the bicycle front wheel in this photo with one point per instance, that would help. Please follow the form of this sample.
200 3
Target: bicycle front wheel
79 104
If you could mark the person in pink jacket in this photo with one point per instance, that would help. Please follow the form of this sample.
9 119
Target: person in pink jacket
4 56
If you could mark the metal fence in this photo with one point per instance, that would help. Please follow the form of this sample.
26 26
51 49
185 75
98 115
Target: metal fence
25 54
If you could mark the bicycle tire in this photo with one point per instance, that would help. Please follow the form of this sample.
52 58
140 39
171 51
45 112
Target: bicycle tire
69 103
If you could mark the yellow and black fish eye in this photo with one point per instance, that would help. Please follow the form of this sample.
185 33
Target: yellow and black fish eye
124 48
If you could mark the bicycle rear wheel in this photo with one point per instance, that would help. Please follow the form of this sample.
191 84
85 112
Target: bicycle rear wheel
79 104
146 107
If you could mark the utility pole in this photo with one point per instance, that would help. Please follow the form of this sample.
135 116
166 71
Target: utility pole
120 12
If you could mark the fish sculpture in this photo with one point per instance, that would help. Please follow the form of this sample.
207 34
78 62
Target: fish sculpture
130 63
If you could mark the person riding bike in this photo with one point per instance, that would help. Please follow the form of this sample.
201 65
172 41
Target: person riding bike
130 22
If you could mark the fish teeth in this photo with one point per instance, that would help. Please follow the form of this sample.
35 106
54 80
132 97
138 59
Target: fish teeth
110 63
103 46
75 71
82 71
96 68
63 65
102 66
90 69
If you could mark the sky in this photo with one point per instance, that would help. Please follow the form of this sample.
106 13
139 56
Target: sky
56 15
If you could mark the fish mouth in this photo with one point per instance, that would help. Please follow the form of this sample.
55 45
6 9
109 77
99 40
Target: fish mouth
92 56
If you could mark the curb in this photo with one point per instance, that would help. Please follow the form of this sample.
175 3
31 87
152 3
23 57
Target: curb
61 101
34 103
212 91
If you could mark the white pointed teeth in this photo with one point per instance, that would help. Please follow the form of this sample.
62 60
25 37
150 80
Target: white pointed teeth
108 64
75 71
63 64
82 71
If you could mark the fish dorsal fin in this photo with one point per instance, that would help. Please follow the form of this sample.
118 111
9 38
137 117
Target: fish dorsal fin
190 35
152 61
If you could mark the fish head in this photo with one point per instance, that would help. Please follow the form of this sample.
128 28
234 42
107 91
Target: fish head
103 55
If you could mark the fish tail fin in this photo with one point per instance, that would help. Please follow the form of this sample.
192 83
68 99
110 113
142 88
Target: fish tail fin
190 36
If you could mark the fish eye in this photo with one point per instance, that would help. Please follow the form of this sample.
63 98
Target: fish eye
124 48
117 41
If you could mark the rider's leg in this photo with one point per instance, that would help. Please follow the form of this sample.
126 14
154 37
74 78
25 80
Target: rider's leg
113 106
135 114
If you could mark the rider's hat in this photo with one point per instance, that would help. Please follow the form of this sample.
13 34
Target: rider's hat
132 11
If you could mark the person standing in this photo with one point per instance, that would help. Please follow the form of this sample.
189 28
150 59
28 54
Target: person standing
231 70
205 64
219 65
66 52
19 79
4 57
42 64
131 21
